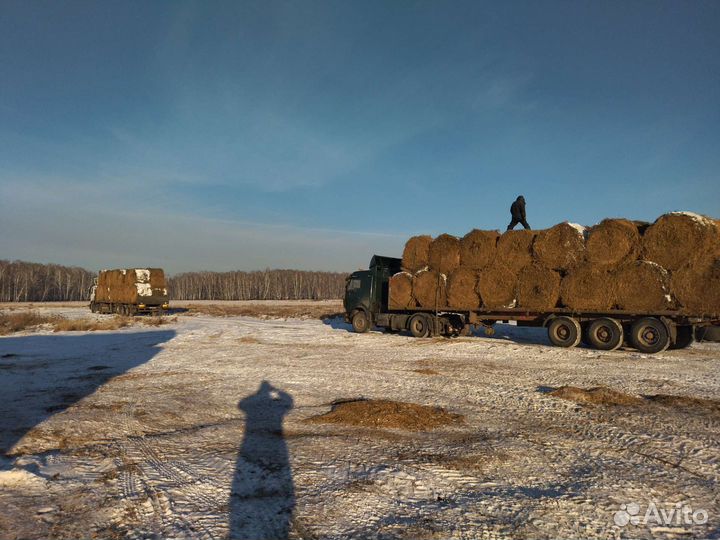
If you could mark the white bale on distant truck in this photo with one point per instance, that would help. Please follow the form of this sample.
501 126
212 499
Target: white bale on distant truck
128 291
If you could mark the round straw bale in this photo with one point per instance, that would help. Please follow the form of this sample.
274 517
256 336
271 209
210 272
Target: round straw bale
444 254
429 289
697 287
477 248
514 249
400 291
157 278
497 286
642 286
415 254
679 238
613 242
587 287
560 247
538 287
461 287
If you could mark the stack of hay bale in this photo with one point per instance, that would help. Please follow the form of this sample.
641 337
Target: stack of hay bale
126 285
617 264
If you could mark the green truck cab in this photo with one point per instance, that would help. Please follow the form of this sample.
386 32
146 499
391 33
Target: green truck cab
366 292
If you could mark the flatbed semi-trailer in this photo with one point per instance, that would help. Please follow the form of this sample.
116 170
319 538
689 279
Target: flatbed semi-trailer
130 291
366 305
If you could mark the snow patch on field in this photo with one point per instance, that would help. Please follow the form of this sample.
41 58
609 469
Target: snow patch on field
158 447
18 478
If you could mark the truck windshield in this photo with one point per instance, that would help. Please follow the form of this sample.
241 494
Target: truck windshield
353 284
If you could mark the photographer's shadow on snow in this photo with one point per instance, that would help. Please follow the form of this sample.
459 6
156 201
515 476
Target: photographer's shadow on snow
262 499
41 375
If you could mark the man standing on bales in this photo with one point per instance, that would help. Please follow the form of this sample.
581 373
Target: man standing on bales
517 211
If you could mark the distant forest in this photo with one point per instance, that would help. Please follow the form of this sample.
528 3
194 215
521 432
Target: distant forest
33 282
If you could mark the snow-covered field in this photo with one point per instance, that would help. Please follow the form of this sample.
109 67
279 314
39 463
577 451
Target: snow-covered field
196 429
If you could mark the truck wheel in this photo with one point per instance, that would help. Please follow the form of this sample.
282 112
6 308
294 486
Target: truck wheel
564 332
605 334
360 322
685 336
649 335
419 326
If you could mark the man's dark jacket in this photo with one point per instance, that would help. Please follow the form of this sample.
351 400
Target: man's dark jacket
517 210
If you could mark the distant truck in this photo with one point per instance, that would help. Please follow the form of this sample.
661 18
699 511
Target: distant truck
366 305
128 291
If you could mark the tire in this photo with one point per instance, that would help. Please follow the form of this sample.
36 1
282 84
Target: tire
708 333
649 335
564 332
685 336
360 322
605 334
419 326
93 307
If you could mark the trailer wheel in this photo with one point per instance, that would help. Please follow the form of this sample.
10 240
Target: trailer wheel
419 325
564 332
649 335
360 322
685 336
605 334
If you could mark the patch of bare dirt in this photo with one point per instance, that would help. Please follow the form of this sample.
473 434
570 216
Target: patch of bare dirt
271 311
599 395
387 414
17 322
87 325
248 340
157 321
426 371
602 395
686 402
28 320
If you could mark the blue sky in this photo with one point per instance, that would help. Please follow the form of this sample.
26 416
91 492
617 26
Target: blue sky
313 134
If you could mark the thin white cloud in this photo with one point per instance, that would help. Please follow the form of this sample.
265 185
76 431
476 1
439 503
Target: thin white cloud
93 229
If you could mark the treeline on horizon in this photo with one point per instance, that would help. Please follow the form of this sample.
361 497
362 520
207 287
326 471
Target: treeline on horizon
22 281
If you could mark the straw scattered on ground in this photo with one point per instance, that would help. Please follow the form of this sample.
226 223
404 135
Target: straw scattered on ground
387 414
